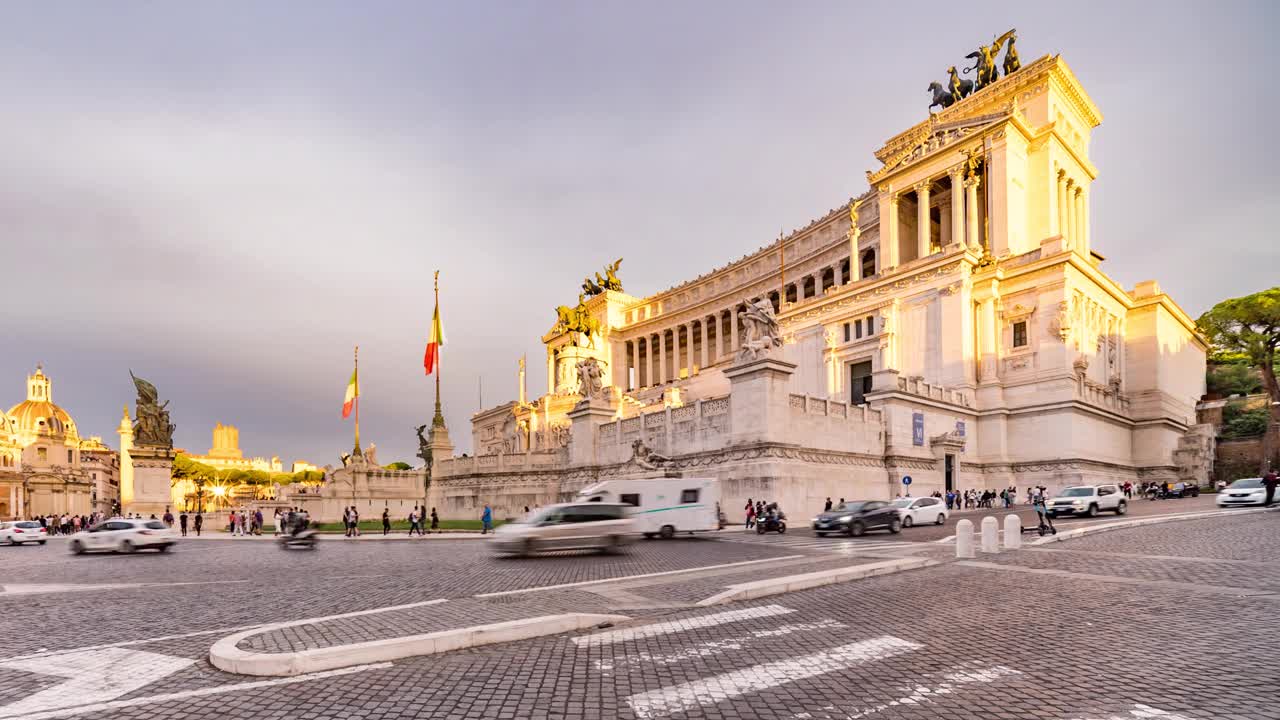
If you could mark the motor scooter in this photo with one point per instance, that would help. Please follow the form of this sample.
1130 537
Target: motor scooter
771 523
304 539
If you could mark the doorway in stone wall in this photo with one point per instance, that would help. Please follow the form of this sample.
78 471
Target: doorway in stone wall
859 382
949 471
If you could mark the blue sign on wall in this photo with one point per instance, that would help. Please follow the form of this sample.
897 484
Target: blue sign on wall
906 479
917 428
960 428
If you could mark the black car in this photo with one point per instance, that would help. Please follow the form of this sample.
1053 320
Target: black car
855 518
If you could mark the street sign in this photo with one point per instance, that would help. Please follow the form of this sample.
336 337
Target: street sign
906 479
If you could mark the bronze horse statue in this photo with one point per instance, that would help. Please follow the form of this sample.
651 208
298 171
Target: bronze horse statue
940 96
960 89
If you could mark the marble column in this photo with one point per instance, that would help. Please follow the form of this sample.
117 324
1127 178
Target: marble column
1056 198
988 332
551 371
923 225
706 344
971 212
888 231
733 332
1077 220
688 339
641 375
1085 244
1062 209
1069 214
957 207
662 356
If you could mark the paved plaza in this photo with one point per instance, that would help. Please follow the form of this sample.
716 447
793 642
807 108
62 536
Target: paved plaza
1173 621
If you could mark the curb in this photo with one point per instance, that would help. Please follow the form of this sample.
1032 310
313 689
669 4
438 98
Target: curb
225 656
793 583
1125 524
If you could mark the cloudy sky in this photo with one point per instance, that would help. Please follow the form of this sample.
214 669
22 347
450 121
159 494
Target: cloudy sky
226 197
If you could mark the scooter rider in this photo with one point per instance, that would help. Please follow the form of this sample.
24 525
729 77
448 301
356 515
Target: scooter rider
1042 511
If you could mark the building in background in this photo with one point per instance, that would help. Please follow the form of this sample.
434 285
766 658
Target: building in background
226 454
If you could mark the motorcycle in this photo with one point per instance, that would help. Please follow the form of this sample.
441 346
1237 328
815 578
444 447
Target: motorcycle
771 523
304 539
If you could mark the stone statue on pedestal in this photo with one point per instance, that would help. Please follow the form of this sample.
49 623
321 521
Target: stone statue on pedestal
591 379
424 448
644 457
152 427
762 331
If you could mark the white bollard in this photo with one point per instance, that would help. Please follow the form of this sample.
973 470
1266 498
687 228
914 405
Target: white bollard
990 535
1012 532
964 539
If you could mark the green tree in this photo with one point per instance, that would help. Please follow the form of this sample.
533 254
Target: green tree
398 465
1250 326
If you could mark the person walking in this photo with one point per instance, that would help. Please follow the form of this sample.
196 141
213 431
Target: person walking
199 523
414 518
346 522
168 516
827 506
1269 482
182 523
386 522
486 519
355 522
435 521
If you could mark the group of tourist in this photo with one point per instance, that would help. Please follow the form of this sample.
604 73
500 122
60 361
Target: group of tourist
974 499
417 519
65 524
757 510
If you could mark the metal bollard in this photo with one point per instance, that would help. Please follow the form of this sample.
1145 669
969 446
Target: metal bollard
1012 532
990 535
964 539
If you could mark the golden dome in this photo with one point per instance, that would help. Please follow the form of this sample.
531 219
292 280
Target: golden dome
37 414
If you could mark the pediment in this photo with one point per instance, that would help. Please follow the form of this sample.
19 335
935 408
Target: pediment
932 138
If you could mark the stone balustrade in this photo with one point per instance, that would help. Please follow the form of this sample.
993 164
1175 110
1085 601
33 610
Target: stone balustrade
917 386
1101 395
499 463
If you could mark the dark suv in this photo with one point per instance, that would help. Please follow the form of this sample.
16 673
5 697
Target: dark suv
855 518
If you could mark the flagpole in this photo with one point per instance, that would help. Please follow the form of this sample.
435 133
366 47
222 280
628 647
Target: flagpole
438 420
357 401
782 272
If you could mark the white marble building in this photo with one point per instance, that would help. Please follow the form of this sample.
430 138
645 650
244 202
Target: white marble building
961 332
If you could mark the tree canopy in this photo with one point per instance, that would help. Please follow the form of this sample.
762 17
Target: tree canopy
1248 327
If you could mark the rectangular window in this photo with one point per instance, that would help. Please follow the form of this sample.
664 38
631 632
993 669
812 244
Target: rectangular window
846 332
859 382
1020 334
871 325
632 499
68 456
857 327
688 496
42 453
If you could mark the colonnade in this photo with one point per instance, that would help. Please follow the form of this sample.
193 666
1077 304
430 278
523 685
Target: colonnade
958 220
1072 216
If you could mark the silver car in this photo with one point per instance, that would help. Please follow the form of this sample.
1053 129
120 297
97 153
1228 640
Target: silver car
124 535
570 526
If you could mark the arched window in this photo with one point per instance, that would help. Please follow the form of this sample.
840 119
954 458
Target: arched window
868 263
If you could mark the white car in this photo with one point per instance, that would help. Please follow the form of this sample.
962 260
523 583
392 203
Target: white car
917 511
1088 500
124 535
1245 491
18 532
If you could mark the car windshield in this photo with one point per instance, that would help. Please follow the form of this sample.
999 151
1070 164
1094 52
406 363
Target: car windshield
851 507
902 502
539 515
155 525
1246 483
1076 492
28 524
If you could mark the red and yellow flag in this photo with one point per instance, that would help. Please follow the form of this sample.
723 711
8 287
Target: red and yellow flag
435 340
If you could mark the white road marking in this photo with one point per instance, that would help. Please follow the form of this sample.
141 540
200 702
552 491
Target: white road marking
715 647
709 691
1143 712
92 677
188 694
625 578
951 683
675 626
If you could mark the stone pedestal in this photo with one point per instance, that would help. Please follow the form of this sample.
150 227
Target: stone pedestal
586 418
152 481
760 390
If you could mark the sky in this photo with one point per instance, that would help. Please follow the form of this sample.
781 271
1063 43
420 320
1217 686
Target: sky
227 197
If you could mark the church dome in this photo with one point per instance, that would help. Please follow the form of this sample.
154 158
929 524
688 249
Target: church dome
38 414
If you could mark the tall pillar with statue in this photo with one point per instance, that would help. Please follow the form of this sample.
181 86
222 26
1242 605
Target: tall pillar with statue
148 490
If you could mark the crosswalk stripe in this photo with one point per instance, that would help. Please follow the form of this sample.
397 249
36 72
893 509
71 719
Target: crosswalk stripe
709 691
675 626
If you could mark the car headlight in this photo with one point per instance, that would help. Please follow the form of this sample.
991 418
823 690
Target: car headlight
845 518
1077 502
813 520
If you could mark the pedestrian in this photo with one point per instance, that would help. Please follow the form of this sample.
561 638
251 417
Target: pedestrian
486 519
199 522
827 507
751 512
1042 511
231 523
346 522
182 523
168 516
1269 482
435 521
413 520
355 522
386 522
257 521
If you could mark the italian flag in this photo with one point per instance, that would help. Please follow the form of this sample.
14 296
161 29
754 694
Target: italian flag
435 340
353 392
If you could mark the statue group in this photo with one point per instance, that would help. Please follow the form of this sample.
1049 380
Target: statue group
152 428
985 70
762 331
609 281
591 380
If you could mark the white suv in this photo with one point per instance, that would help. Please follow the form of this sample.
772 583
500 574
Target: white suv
1088 500
124 535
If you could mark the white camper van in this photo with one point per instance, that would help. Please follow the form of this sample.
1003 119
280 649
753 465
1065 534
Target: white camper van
663 506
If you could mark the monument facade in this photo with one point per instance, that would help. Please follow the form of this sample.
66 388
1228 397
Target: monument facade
952 324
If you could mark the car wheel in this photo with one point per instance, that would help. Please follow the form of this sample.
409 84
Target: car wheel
895 526
667 532
1122 508
820 534
77 547
42 542
530 547
1092 511
856 529
907 521
126 547
648 536
162 548
13 541
942 517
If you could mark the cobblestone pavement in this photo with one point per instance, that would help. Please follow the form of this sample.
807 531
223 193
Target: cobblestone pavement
989 640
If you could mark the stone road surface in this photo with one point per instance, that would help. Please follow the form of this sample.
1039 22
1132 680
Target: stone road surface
1174 622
